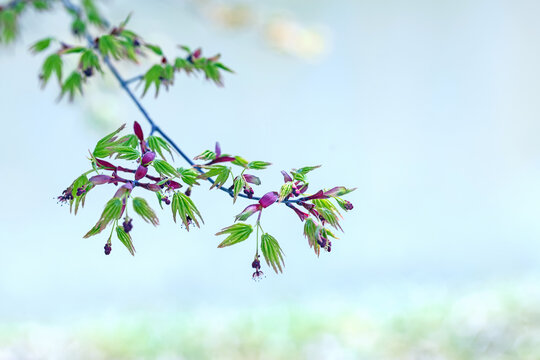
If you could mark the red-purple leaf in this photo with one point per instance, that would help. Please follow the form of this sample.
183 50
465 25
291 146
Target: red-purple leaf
105 164
218 150
221 159
302 215
286 177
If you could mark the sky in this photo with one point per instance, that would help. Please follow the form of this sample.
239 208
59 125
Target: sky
428 108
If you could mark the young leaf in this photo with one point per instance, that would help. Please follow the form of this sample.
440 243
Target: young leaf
186 209
272 252
285 190
310 232
188 176
142 208
158 144
240 161
258 165
101 150
238 185
112 211
52 64
72 85
237 233
164 168
41 45
125 238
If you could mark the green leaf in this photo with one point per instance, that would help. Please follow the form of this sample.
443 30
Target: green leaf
238 185
223 67
155 49
158 144
240 161
164 168
92 12
237 233
112 211
78 26
8 21
152 76
272 252
80 182
41 45
72 85
101 151
52 64
40 5
185 208
306 169
258 165
110 46
188 176
130 140
328 211
285 190
89 59
144 210
125 152
206 155
125 238
310 232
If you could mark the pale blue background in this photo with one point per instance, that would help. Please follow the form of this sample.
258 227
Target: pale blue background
430 108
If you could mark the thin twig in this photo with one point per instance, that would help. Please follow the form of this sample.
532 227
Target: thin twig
154 127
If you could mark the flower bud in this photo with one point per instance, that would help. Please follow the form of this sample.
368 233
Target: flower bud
100 179
107 248
141 172
148 157
138 131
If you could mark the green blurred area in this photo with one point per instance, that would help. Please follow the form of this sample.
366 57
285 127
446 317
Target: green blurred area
487 324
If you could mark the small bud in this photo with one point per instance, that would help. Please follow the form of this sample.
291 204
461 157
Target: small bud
197 53
100 179
148 157
163 60
127 225
188 191
136 43
89 71
348 205
107 248
81 191
141 172
138 131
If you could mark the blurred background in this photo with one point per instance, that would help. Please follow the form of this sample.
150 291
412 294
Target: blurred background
429 108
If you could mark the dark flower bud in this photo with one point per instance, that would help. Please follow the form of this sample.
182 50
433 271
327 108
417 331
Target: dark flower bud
80 191
136 42
197 53
89 71
127 225
107 248
256 264
348 205
188 191
148 157
163 60
167 201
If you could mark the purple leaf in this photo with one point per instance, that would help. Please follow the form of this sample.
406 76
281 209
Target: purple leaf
221 159
105 164
302 215
218 150
319 195
286 177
